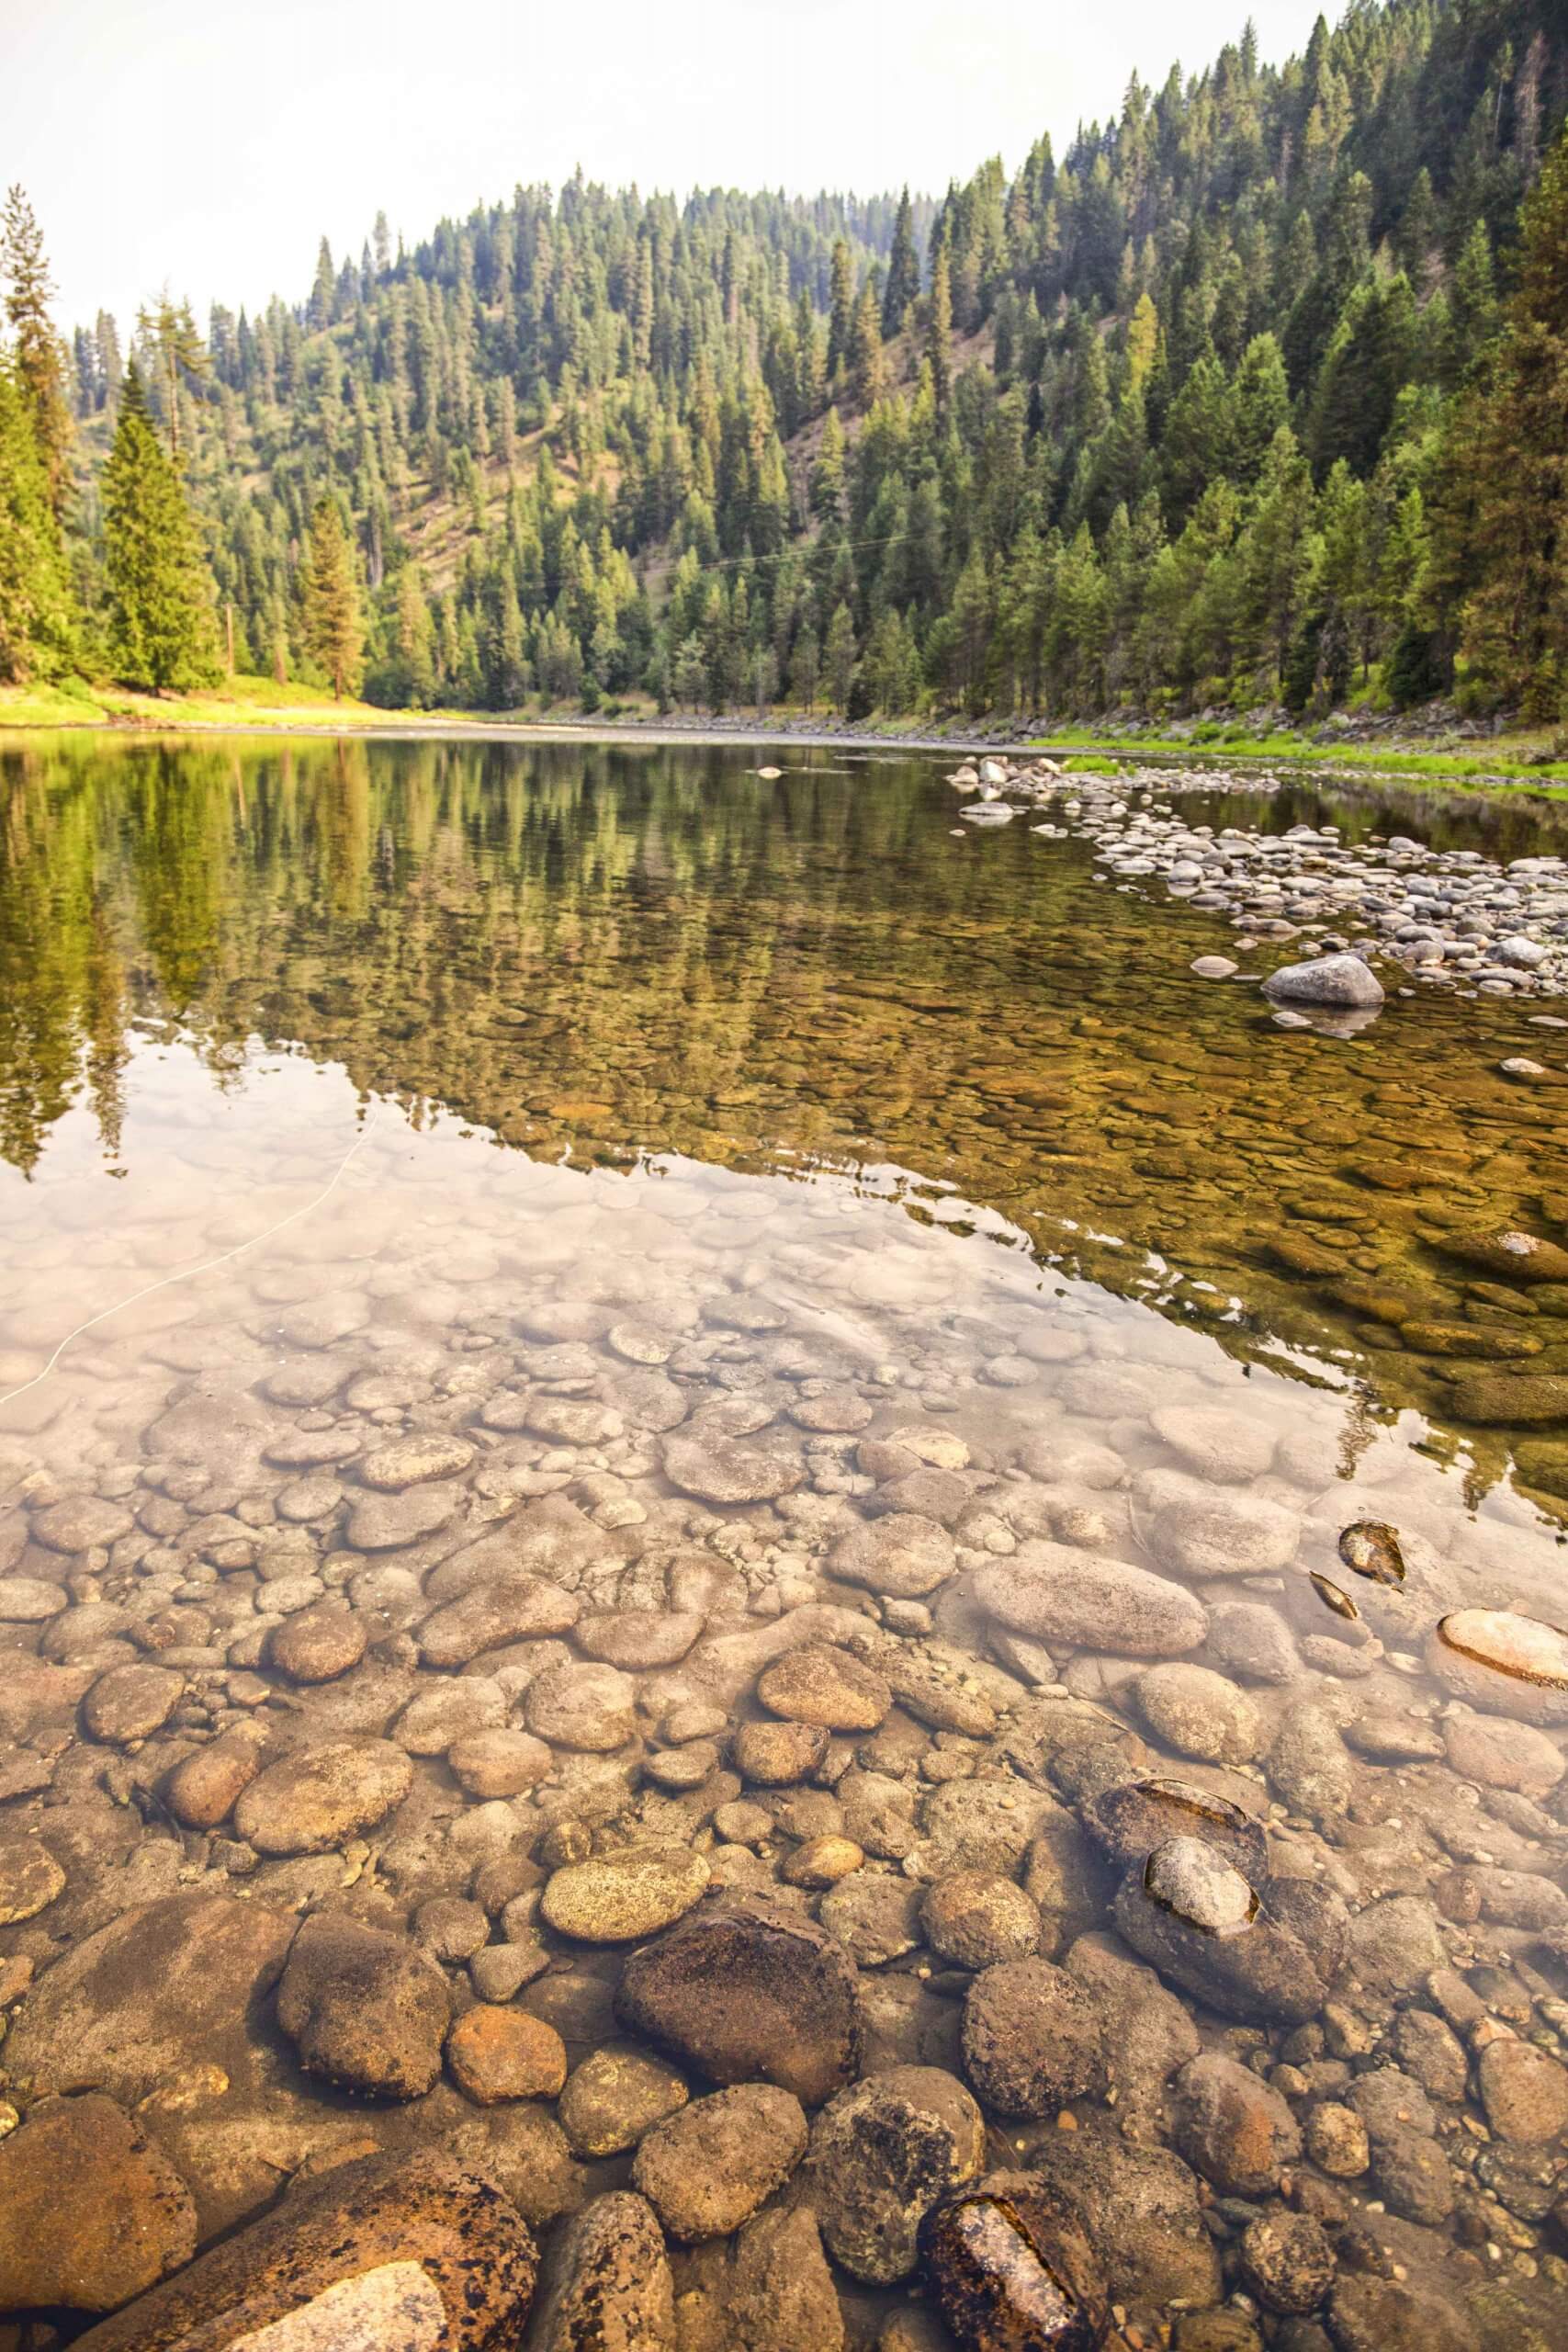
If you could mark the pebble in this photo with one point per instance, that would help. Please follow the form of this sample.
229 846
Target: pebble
1032 2039
1054 1592
819 1684
616 2094
131 1702
30 1878
975 1918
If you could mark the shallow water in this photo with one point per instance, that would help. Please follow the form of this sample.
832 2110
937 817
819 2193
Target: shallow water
713 1171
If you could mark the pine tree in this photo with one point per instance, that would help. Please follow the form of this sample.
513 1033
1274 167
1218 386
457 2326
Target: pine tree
939 329
839 658
903 284
334 630
1507 453
160 632
866 366
841 308
40 360
38 620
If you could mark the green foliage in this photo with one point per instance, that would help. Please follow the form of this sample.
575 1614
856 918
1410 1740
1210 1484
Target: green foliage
37 617
161 631
330 591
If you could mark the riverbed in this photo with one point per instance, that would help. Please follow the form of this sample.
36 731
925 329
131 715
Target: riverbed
716 1505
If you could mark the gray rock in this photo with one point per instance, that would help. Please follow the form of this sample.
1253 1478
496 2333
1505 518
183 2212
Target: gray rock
1342 982
1077 1598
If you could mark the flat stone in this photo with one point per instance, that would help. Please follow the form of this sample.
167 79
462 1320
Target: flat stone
319 1795
587 1708
901 1555
1200 1530
498 1762
707 2169
821 1684
131 1702
31 1879
731 1470
386 1523
1502 1754
1200 1714
318 1645
748 1991
882 2152
1058 1594
415 1461
1524 2091
29 1600
83 1523
406 2254
500 2054
495 1611
91 2214
137 2000
617 1897
637 1638
442 1712
363 2009
618 2093
874 1914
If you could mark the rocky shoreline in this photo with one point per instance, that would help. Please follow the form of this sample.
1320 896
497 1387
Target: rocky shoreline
1450 917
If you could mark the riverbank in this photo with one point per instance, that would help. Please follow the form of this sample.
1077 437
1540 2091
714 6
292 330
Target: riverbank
1514 763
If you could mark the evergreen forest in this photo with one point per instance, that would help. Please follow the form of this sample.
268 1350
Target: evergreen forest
1255 395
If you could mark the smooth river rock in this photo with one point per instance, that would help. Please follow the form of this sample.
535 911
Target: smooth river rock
1055 1593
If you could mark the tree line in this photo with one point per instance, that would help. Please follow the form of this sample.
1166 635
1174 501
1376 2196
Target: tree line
1259 393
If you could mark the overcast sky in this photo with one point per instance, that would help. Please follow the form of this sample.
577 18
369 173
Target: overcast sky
212 142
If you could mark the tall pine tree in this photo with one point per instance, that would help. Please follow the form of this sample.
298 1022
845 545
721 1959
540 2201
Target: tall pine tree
334 630
160 632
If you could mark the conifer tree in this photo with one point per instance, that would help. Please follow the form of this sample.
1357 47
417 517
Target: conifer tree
38 620
334 630
839 657
40 360
903 283
841 308
939 329
160 632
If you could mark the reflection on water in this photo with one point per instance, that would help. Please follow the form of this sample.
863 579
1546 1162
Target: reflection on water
658 1224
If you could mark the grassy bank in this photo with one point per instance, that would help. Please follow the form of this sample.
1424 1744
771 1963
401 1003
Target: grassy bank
1511 763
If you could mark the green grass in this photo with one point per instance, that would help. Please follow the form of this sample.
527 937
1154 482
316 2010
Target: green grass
1511 766
239 702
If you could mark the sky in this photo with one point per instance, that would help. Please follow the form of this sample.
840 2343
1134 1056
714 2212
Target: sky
211 146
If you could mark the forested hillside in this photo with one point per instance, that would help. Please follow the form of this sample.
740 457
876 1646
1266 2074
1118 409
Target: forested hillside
1260 390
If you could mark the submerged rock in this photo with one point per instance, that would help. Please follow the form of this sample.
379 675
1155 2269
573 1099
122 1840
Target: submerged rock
609 2288
364 2009
882 2154
748 1991
1057 1593
411 2254
91 2214
708 2168
1198 1922
1012 2270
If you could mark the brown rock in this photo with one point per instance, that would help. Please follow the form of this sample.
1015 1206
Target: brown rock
1032 2038
409 2254
821 1684
775 1755
707 2169
131 1702
1012 2270
30 1878
319 1795
204 1787
364 2009
1231 2128
1524 2091
318 1645
748 1991
610 2285
90 2214
505 2054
